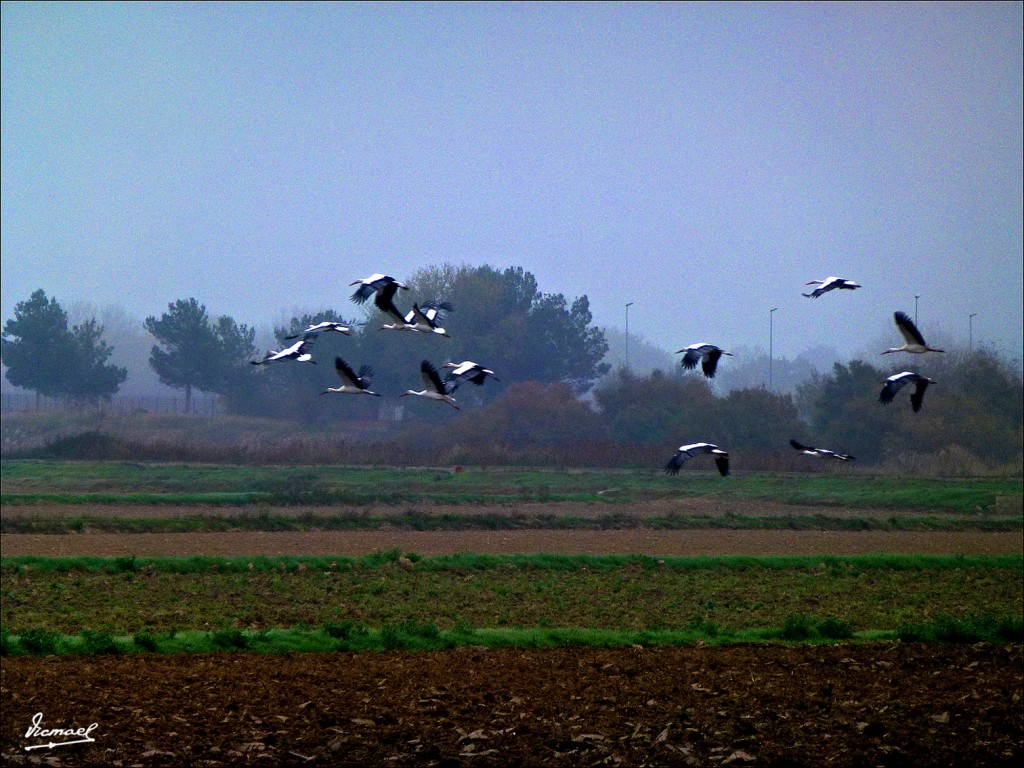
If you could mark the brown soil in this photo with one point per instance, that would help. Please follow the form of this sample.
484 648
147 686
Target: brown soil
633 541
854 705
754 705
642 541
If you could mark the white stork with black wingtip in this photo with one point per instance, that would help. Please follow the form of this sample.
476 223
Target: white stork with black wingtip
326 326
707 354
897 381
426 319
819 453
352 383
374 283
913 340
299 351
830 283
686 452
434 388
467 370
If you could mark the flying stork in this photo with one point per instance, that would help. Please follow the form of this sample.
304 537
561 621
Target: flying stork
325 327
914 341
421 319
352 383
435 389
299 351
467 370
897 381
374 283
819 453
426 319
707 354
685 452
830 283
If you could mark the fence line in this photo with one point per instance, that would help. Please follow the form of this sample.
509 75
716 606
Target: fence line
16 402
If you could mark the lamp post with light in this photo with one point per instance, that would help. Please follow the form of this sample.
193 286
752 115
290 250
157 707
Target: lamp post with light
628 305
771 345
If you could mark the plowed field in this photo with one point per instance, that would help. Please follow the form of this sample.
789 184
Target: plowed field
751 705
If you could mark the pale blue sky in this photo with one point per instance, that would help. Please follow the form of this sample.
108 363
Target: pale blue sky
702 161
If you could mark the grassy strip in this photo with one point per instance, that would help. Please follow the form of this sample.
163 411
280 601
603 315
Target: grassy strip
407 636
107 482
623 593
354 521
115 499
296 498
482 562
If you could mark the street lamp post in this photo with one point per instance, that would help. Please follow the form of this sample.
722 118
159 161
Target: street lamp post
970 331
628 305
771 345
916 297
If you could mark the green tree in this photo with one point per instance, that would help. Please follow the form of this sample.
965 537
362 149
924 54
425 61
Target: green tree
90 376
843 411
199 354
658 409
756 419
36 345
43 355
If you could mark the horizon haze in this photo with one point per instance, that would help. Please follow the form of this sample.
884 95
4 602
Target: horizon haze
699 161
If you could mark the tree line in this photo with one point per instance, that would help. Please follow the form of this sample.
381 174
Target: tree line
549 358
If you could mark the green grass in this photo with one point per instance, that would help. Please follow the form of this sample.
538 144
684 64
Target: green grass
621 593
427 637
69 482
244 520
389 600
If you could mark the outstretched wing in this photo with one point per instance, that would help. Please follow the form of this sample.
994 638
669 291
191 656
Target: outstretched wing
691 358
431 378
384 300
711 362
892 385
917 396
345 372
908 329
676 463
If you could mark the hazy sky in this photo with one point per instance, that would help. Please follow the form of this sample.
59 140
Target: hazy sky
702 161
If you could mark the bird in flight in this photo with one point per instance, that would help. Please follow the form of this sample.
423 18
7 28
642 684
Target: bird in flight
830 283
897 381
912 338
686 452
707 354
299 351
820 453
352 383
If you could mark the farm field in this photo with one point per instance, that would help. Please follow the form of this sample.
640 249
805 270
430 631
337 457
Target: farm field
719 699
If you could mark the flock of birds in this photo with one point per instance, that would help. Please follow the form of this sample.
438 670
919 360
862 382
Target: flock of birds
708 356
426 318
